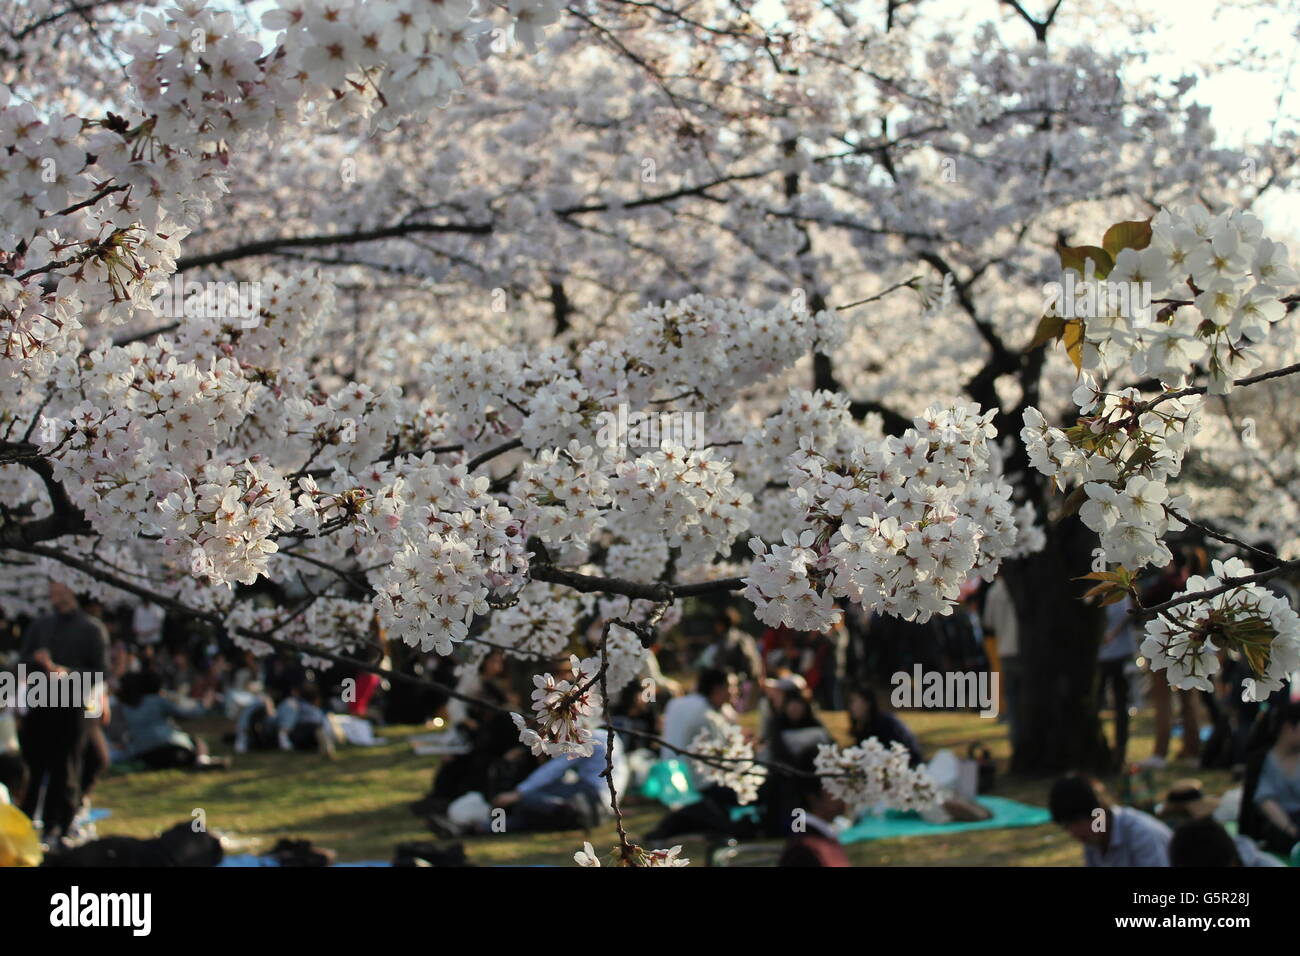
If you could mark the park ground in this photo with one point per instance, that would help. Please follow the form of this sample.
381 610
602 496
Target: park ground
356 804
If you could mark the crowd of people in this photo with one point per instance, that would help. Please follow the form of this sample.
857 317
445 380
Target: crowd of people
773 684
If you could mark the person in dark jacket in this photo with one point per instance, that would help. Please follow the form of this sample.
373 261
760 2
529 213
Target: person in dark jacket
812 841
152 735
68 648
790 737
867 720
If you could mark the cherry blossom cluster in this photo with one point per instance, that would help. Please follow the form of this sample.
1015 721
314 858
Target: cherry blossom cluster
438 544
99 206
222 524
331 624
482 390
819 419
689 496
540 624
729 761
141 406
1186 640
560 496
1122 452
639 857
898 527
564 712
434 587
625 659
711 347
1226 279
871 776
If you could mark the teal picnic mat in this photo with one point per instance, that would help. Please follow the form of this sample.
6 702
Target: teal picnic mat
1006 813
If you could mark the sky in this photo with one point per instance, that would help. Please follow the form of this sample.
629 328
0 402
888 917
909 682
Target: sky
1193 36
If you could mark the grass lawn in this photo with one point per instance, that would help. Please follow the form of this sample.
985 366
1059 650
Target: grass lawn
357 804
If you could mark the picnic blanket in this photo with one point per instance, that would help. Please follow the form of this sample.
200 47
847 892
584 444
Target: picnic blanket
252 860
1006 813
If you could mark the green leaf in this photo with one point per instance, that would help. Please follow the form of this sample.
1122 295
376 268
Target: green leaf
1127 235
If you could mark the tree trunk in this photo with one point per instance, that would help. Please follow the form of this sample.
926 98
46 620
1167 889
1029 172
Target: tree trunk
1058 726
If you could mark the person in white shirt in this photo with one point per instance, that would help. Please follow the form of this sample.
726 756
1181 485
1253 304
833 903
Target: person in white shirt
1111 835
147 622
686 716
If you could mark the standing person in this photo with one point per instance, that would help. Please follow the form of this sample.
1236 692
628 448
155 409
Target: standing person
1117 649
65 643
1000 621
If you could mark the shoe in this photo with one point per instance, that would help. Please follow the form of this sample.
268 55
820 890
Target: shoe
300 853
241 743
1154 762
212 763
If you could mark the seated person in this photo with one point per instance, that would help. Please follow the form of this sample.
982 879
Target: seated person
736 651
686 716
564 794
812 842
496 760
298 723
1202 841
1111 835
561 794
1186 802
1277 793
867 720
301 723
152 737
791 737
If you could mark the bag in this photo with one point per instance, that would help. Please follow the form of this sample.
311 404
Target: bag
423 853
288 852
19 845
178 846
961 810
669 782
469 810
